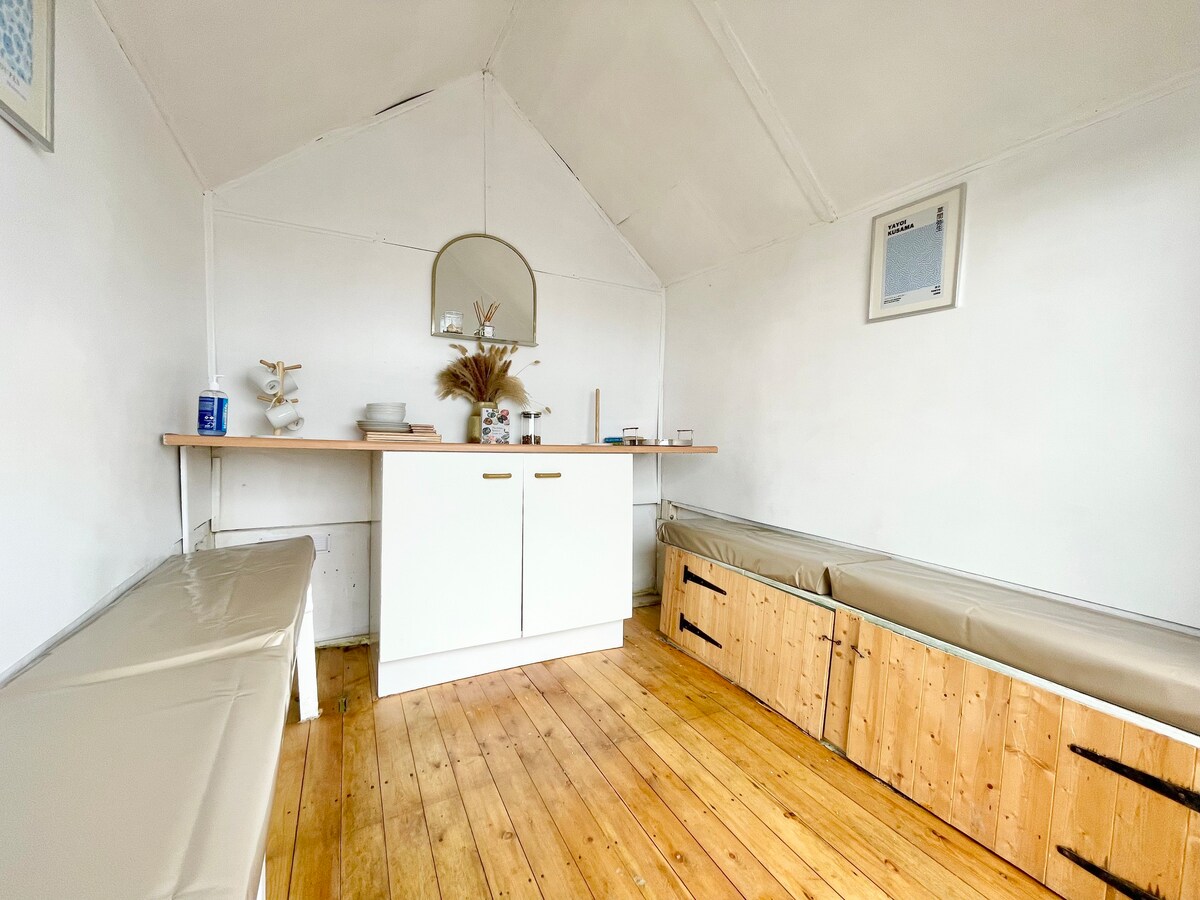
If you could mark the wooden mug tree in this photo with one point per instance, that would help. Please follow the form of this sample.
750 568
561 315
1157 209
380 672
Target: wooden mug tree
278 399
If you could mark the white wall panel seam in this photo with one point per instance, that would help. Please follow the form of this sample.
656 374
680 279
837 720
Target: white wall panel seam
926 186
343 133
140 71
375 239
633 251
765 107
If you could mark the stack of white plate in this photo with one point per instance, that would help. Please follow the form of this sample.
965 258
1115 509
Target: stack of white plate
388 417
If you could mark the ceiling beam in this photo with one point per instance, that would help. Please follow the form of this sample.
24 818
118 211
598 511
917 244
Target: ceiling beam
764 105
502 36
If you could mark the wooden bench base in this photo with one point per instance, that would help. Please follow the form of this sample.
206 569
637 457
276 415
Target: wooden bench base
993 755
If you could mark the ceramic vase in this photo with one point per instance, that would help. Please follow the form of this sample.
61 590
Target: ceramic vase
475 422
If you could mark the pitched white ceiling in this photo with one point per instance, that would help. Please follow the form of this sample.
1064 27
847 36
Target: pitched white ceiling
244 81
703 128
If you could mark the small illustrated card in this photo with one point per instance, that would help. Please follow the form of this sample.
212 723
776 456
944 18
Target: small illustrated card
495 426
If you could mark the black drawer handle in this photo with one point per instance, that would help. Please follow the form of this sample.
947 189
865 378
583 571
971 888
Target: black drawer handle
1181 795
1118 884
685 625
693 578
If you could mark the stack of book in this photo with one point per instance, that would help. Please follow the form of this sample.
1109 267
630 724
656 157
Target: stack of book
420 434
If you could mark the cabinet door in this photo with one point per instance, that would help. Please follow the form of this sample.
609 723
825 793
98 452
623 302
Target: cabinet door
450 551
841 678
578 567
708 613
785 654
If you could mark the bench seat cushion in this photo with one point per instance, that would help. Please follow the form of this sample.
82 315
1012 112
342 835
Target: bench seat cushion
781 556
206 605
140 754
1141 667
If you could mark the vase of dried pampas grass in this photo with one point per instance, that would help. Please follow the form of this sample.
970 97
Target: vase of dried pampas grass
485 378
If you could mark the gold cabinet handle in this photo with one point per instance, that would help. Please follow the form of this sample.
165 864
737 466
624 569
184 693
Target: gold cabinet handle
547 474
491 475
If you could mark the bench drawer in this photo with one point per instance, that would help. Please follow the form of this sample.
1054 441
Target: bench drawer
992 755
704 611
785 654
1112 821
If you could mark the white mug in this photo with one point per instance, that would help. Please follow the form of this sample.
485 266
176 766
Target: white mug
283 415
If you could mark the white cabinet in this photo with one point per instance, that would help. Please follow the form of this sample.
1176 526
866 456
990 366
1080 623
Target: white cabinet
489 560
578 553
450 566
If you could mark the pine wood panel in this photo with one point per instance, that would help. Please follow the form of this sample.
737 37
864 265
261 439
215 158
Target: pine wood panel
316 865
826 862
979 764
504 862
285 809
268 443
674 841
1030 761
901 715
864 740
411 870
739 865
553 864
970 862
939 724
1191 859
841 678
672 590
1085 802
721 616
958 853
597 835
636 772
364 849
763 641
649 868
1150 831
455 854
804 663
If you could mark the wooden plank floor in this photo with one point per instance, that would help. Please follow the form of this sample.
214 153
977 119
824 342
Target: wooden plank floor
634 772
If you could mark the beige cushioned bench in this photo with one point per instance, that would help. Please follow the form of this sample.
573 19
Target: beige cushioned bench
139 755
1138 666
786 558
1145 668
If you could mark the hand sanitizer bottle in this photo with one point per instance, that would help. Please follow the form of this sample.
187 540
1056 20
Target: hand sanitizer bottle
213 416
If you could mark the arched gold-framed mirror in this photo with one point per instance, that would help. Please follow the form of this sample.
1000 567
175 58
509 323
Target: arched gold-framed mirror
484 289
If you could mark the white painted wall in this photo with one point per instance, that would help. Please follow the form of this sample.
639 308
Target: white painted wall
1044 433
102 346
324 257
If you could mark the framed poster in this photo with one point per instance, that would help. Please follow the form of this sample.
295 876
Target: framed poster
27 67
914 256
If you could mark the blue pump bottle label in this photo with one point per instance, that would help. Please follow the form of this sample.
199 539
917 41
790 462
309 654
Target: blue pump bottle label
213 414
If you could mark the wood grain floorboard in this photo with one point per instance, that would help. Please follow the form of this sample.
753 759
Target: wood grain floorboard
635 772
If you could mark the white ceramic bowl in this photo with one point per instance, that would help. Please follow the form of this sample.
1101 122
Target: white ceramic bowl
386 412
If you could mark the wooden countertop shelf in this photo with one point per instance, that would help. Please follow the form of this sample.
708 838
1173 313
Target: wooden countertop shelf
282 443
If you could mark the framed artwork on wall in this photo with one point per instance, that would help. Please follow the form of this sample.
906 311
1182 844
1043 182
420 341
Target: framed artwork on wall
914 256
27 68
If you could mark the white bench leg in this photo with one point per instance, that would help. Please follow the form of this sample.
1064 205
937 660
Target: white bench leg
306 663
262 882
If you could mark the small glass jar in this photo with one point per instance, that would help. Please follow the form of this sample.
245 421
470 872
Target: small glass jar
452 322
531 427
